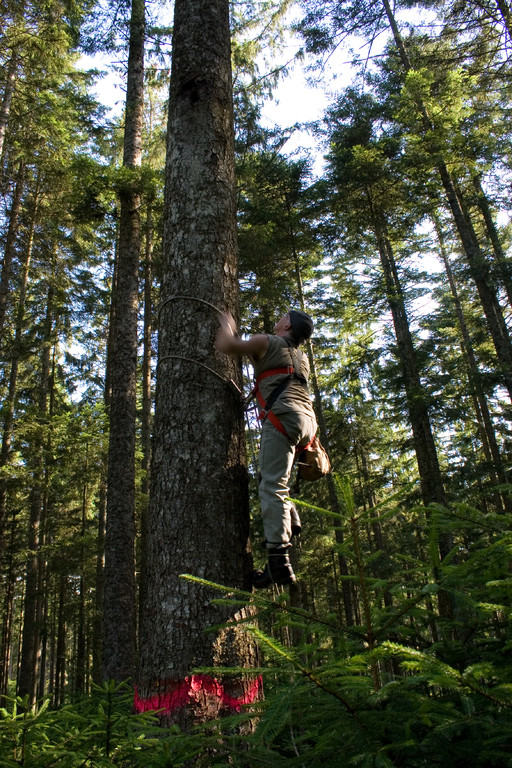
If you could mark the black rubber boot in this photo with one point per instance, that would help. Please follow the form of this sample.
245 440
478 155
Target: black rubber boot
278 570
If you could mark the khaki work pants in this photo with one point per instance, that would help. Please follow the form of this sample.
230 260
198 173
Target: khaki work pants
276 457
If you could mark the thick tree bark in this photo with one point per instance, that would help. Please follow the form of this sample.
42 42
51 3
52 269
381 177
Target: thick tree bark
198 514
119 612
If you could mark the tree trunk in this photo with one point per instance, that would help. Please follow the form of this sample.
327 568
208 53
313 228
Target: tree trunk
81 662
479 269
7 618
503 264
432 488
97 631
13 376
12 233
60 661
431 481
381 564
506 15
198 519
119 612
476 260
42 668
487 432
146 399
32 606
334 502
5 108
97 623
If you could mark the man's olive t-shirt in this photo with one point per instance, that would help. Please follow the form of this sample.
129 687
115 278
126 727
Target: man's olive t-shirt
296 395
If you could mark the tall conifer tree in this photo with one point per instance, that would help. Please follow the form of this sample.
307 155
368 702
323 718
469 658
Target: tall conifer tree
119 596
198 513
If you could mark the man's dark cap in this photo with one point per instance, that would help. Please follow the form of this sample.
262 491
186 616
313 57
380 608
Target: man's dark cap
302 325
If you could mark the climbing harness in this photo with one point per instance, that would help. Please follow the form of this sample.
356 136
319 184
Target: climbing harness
266 412
230 383
266 407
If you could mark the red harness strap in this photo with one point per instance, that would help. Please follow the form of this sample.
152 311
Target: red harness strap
264 414
274 372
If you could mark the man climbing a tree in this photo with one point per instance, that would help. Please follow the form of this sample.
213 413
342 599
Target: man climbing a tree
288 425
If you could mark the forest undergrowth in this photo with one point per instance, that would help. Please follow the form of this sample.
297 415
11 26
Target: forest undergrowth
402 687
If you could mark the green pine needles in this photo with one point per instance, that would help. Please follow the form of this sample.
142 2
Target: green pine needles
423 678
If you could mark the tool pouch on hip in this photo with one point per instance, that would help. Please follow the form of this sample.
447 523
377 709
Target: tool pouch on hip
313 462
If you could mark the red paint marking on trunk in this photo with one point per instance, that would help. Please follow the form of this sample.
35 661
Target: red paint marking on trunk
181 692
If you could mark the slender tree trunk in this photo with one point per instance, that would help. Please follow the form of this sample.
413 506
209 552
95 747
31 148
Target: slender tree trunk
147 354
60 661
7 618
431 481
80 672
506 15
13 377
487 431
20 635
432 488
146 399
380 565
5 108
52 629
97 624
31 611
42 666
12 233
119 612
480 273
107 393
346 587
198 519
503 264
97 632
477 262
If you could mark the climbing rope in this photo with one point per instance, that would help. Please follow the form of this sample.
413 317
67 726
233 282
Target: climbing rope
188 298
231 384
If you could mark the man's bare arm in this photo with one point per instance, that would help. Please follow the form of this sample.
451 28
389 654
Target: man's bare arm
227 341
